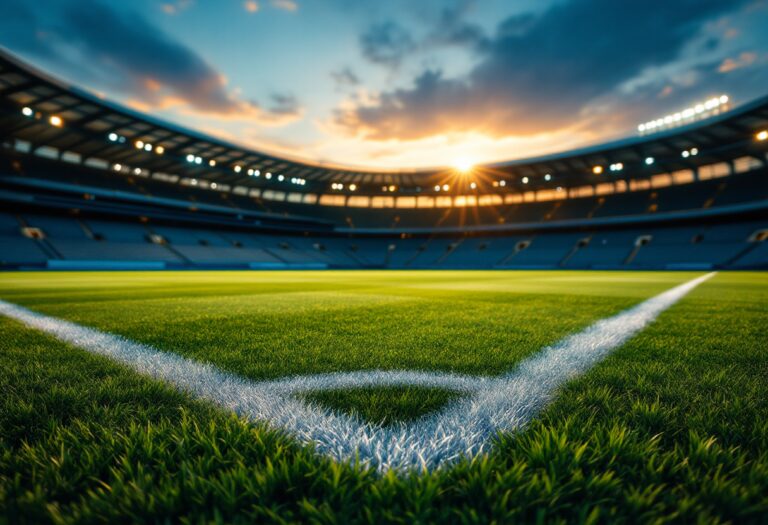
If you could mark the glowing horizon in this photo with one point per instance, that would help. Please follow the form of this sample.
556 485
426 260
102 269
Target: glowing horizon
401 86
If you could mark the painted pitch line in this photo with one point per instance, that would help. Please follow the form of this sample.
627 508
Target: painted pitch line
463 428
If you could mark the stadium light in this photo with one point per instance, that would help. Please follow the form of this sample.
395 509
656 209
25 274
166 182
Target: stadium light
618 166
525 180
250 172
117 167
762 135
198 160
212 163
160 150
502 183
139 144
649 161
27 111
473 185
699 110
437 187
392 187
352 187
256 173
137 171
548 177
597 170
147 147
446 187
56 121
268 176
280 178
238 169
690 153
190 158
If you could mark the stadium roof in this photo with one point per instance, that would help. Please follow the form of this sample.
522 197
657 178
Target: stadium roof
31 102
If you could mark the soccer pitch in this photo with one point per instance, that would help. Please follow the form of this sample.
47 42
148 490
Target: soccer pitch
670 424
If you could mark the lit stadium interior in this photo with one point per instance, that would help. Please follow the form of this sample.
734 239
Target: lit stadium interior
199 328
99 187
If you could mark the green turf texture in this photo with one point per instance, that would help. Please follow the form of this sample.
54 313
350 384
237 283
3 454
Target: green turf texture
672 427
384 405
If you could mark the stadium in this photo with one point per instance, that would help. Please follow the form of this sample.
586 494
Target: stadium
196 330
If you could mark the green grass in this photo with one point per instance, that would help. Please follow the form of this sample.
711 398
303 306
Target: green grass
384 405
672 427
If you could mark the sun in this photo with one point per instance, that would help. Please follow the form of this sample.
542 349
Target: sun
463 164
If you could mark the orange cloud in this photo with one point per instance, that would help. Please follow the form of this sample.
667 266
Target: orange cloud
173 8
745 59
285 5
251 6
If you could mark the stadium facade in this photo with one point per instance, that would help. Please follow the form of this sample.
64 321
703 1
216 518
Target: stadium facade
86 184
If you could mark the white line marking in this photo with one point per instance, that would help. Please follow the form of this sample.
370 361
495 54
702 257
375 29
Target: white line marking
463 428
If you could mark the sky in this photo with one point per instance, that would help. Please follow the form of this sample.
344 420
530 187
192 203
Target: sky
400 84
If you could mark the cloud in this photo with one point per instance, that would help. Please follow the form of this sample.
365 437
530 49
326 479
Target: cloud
251 6
386 43
284 104
286 5
538 72
389 43
345 78
745 59
129 54
451 29
173 8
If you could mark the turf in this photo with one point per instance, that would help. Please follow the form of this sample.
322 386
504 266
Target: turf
384 405
673 427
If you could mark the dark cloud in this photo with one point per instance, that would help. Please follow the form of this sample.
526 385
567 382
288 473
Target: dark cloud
540 70
284 104
345 78
128 53
389 43
450 28
386 43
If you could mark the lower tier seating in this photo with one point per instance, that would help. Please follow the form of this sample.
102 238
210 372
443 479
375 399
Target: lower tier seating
40 240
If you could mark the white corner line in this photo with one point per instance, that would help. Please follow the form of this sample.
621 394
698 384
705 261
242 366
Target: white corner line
462 429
